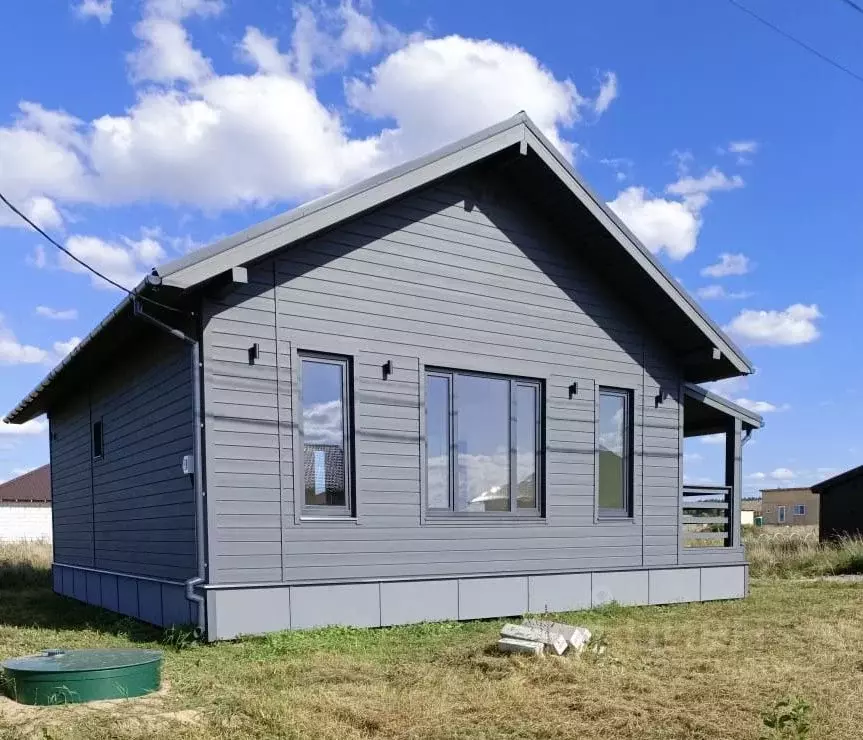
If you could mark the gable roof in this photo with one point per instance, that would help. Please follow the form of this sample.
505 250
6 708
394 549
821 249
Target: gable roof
608 245
825 485
32 487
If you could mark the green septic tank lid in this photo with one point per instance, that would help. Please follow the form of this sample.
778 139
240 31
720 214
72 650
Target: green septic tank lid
72 676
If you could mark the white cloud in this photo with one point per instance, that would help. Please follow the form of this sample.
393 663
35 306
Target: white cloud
166 53
437 90
28 428
659 223
194 136
695 190
729 264
607 93
12 352
781 474
38 258
180 9
715 292
61 349
69 314
99 9
795 325
728 387
760 407
323 41
125 263
747 146
778 474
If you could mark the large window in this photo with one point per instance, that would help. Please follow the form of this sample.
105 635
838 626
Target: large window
614 453
326 433
484 443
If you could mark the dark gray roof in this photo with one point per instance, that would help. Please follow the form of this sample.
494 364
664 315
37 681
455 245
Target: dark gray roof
825 485
683 321
716 403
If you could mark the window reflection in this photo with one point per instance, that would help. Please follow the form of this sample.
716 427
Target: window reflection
613 453
323 405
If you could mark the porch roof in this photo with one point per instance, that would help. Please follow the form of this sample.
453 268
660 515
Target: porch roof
708 413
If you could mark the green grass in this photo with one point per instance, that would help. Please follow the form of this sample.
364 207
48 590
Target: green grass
791 652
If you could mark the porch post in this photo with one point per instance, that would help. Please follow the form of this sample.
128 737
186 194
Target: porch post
734 475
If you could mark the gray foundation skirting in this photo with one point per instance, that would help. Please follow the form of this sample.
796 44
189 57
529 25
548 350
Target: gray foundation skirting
257 609
162 603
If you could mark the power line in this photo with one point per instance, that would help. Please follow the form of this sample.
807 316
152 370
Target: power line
797 41
852 4
81 262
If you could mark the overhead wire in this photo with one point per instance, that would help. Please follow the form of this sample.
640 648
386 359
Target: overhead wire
799 42
68 253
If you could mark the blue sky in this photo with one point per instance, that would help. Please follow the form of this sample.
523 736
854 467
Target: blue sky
135 131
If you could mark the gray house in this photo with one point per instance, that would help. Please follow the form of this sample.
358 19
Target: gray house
456 390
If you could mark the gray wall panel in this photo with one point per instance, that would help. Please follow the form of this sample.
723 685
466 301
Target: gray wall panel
727 582
559 593
79 585
408 602
625 588
425 281
150 602
175 606
674 585
127 596
131 511
492 597
94 588
320 606
57 579
110 597
249 611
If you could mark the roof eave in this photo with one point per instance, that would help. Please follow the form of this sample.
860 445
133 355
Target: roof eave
749 418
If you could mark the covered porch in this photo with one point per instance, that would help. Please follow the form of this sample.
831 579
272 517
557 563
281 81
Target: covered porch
710 515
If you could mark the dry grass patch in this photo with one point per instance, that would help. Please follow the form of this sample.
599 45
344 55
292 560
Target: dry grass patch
712 670
787 552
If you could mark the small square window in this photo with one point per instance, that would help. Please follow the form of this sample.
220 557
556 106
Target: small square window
98 440
799 509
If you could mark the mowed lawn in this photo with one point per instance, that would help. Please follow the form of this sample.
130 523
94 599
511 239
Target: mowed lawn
691 671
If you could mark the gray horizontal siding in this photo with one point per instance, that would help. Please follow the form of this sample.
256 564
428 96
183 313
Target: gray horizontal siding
426 282
133 511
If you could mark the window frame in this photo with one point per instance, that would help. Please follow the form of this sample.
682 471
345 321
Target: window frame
627 513
324 511
100 425
536 512
799 510
781 514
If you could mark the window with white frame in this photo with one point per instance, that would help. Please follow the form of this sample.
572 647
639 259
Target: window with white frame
483 443
799 509
780 514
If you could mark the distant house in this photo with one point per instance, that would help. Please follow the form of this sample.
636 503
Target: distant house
25 506
457 390
786 506
841 505
749 509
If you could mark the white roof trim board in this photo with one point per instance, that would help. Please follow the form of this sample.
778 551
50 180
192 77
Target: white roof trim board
281 231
